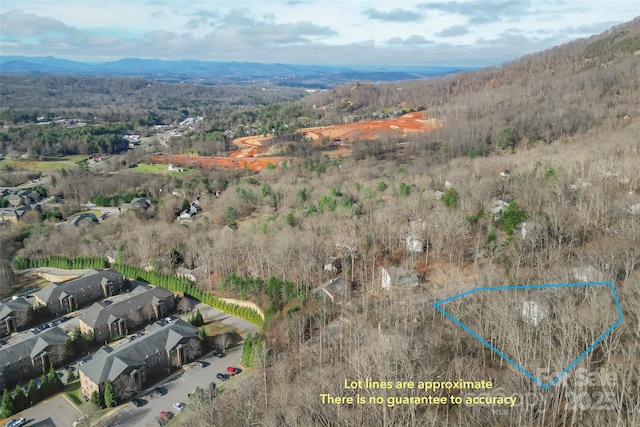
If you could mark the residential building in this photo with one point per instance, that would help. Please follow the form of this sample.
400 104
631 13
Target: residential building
83 218
137 203
335 288
397 276
132 366
32 355
107 320
66 297
15 315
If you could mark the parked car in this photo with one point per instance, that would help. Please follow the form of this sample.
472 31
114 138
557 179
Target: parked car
82 421
222 377
179 406
201 364
232 371
159 391
166 415
221 355
17 422
137 402
160 421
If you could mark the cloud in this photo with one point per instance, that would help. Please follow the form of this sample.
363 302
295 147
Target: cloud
395 15
454 31
483 11
416 40
18 23
413 40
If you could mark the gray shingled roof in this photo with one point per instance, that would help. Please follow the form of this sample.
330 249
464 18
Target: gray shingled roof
90 278
32 344
110 363
100 314
13 306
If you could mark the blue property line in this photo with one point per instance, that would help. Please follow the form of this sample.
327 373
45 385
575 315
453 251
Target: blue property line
501 354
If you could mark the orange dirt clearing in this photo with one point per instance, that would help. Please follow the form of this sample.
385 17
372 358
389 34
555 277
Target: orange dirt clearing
374 129
186 160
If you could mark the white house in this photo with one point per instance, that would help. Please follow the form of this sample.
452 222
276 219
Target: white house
586 274
532 313
498 207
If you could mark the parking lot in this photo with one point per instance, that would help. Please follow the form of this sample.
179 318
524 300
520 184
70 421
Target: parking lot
57 411
178 388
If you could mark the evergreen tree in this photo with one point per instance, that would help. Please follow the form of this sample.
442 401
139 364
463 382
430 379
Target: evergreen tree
33 394
95 399
109 397
6 409
71 376
20 400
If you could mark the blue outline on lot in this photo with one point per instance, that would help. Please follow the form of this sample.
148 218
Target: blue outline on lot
506 288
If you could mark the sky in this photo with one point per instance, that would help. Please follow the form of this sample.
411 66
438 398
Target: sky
347 32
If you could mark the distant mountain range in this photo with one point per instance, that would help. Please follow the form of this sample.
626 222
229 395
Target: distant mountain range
312 76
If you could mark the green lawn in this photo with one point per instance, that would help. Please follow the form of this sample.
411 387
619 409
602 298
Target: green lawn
157 169
74 393
48 164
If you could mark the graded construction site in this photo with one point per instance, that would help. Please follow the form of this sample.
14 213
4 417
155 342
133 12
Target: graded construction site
252 154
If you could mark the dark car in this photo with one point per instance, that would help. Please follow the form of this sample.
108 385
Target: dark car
159 391
222 377
138 402
220 355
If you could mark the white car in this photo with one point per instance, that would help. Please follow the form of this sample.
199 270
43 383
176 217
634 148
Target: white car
16 423
179 406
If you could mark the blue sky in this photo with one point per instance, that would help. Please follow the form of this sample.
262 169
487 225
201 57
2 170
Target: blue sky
347 32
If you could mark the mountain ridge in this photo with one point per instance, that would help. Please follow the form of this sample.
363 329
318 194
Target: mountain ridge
215 71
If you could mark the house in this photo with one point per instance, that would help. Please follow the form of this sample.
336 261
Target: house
579 183
15 200
185 215
334 266
138 363
531 229
32 355
83 218
334 288
414 240
176 169
586 273
532 313
137 203
107 320
15 315
499 206
66 297
397 276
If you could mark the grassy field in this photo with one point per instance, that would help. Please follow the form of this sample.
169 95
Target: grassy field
157 169
48 164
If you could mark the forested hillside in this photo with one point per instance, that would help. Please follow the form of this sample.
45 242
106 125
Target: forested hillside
541 97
